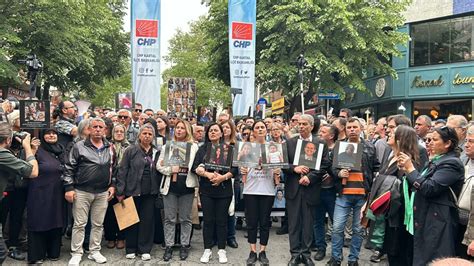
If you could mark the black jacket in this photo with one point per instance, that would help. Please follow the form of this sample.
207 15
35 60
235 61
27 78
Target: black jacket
130 172
313 190
370 165
88 168
434 211
224 190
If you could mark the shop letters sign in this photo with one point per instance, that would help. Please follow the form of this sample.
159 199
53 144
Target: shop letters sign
418 82
460 80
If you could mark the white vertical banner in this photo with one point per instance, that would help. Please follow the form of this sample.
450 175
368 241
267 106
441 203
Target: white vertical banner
145 48
242 31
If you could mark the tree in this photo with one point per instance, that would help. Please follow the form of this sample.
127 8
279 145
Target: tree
80 44
189 56
339 39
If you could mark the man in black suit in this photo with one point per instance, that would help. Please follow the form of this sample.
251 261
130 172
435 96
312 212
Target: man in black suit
302 189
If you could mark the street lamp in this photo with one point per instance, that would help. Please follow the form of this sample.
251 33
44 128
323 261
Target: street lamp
402 108
367 113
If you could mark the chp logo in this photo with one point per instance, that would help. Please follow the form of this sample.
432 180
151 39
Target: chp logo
242 34
146 31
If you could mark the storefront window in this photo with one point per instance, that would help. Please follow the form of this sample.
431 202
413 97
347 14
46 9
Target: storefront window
443 109
461 37
441 42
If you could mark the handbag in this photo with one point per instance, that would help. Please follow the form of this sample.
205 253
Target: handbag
463 202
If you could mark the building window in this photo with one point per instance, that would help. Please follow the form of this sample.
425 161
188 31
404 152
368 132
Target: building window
440 42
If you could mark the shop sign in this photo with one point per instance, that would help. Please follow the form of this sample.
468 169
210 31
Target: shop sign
460 80
420 83
277 104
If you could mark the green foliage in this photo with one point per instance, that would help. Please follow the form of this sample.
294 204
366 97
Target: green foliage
189 56
340 40
81 43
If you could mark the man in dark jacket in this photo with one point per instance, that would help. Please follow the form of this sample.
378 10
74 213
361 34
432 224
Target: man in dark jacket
88 186
353 188
302 189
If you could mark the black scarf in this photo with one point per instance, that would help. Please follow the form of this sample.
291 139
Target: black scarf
56 148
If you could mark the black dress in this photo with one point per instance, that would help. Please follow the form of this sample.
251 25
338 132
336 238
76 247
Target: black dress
45 208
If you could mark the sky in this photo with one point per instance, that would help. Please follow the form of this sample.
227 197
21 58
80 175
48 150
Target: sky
175 14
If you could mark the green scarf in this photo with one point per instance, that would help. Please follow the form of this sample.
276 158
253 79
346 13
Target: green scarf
410 199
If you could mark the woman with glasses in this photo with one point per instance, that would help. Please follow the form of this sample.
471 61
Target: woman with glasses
215 189
177 188
113 236
138 178
427 141
430 210
259 193
246 132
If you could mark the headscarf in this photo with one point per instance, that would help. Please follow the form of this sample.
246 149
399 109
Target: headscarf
54 148
119 146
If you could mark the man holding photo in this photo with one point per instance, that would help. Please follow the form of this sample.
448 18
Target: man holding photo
302 194
353 188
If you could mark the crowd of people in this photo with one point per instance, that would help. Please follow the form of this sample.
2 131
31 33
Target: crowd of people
404 200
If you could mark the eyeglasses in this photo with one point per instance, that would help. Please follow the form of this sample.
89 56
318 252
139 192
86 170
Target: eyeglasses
245 134
138 110
122 116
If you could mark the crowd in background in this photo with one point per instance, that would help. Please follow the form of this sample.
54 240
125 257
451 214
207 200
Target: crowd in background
69 177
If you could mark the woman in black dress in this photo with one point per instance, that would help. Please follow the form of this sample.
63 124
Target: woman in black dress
45 201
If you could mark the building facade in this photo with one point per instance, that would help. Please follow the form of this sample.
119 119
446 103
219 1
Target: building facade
436 68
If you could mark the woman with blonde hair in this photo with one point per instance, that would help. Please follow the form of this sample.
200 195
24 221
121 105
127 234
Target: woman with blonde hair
138 178
177 187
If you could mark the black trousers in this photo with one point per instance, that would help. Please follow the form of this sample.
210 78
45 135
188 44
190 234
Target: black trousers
3 247
111 229
46 244
159 237
17 205
215 212
258 209
300 225
139 237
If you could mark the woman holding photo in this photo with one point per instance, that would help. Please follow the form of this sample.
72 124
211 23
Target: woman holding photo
259 194
177 188
230 139
215 189
138 178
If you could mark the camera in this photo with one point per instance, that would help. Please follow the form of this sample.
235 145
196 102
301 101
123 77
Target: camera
32 62
16 145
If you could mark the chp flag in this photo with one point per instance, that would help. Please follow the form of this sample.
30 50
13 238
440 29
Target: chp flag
242 29
145 49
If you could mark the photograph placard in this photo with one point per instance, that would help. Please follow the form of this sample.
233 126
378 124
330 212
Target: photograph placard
34 114
218 157
247 154
308 154
124 100
275 155
182 97
177 153
348 155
